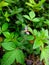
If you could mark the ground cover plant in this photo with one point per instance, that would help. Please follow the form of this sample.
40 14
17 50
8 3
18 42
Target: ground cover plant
24 32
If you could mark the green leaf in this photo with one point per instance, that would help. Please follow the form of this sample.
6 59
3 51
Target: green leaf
30 37
37 43
46 22
27 17
45 55
8 58
30 30
36 20
32 1
8 45
3 3
4 26
12 35
6 34
19 56
44 33
19 10
6 15
42 54
32 14
35 32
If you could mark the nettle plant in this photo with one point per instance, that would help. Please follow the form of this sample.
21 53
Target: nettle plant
13 53
11 47
18 37
41 41
37 21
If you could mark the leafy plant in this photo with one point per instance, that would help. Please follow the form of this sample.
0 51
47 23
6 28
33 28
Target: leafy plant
40 41
11 56
34 5
36 21
24 31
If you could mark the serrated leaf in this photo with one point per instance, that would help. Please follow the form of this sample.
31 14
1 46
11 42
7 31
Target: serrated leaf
19 56
8 58
4 26
8 45
6 34
27 17
32 14
37 44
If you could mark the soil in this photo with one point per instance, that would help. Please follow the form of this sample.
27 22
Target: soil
33 60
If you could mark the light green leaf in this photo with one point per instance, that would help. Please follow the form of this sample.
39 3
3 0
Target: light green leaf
27 17
30 30
32 1
35 32
37 43
6 34
6 14
4 26
45 55
44 33
8 45
36 20
30 37
8 58
3 3
42 54
19 56
32 14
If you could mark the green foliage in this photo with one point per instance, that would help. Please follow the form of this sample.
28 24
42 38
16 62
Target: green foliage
24 30
31 15
10 57
34 5
3 4
4 26
9 45
19 56
36 21
45 55
37 43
